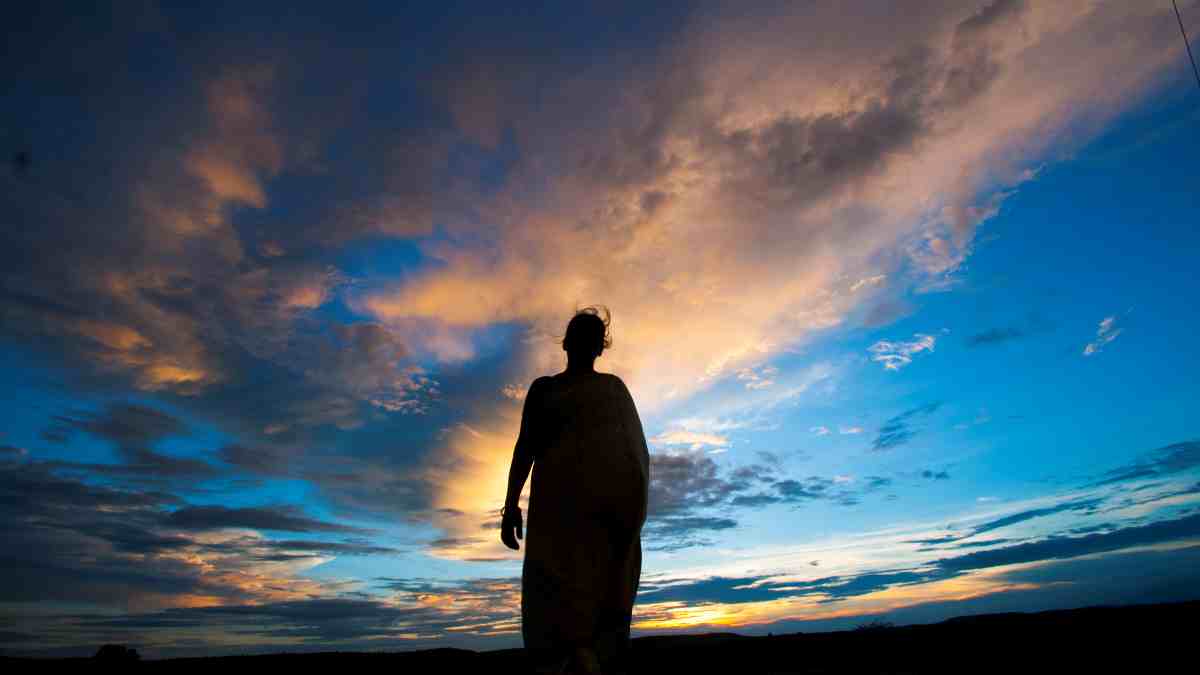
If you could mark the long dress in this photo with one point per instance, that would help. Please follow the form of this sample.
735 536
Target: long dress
587 505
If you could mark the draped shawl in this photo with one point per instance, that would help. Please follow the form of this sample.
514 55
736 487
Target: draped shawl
587 505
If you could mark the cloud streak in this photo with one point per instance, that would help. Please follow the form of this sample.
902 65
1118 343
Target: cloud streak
895 355
1106 332
902 428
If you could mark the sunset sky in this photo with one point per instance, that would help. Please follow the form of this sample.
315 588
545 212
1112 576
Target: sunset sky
906 295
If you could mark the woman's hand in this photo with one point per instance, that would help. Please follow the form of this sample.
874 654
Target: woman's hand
510 524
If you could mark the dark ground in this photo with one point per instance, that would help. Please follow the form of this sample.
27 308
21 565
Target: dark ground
1130 639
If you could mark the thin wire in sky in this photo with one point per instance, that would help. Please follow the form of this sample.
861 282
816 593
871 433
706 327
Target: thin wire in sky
1187 44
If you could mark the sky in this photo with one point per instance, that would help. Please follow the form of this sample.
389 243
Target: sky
905 296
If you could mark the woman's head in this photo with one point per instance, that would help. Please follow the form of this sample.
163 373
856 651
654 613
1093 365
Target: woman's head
587 333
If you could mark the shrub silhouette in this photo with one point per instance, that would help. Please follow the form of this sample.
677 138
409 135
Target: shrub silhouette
117 653
876 625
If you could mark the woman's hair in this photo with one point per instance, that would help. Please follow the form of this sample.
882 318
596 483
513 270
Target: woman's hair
588 331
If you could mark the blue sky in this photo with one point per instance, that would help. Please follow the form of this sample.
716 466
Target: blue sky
908 312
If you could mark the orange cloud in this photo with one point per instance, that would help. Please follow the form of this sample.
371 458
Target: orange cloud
722 201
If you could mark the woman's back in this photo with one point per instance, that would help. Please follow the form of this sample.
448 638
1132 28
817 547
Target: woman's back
587 504
591 462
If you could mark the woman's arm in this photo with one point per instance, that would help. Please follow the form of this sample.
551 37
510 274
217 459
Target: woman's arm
526 446
524 452
518 471
511 523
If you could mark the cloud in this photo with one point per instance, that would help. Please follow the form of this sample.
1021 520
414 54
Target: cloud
1057 547
1085 505
301 549
838 490
710 424
130 549
760 379
812 488
788 149
910 572
1159 463
263 459
695 440
820 430
734 590
417 614
816 487
162 262
368 360
143 279
899 430
875 482
284 519
515 391
133 429
755 500
681 482
673 533
867 282
1106 332
686 487
896 355
907 574
127 425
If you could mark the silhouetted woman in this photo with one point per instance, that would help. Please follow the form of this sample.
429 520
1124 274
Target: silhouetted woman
581 433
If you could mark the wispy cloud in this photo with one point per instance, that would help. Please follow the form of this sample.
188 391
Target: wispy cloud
709 424
1165 461
901 428
1106 332
760 379
895 355
695 440
867 282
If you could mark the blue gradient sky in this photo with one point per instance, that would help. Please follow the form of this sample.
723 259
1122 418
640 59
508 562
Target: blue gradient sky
907 303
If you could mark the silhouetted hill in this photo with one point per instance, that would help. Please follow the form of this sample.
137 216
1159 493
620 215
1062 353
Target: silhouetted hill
1135 639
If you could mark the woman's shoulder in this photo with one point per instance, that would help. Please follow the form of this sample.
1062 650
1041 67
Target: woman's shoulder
617 382
547 382
540 383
